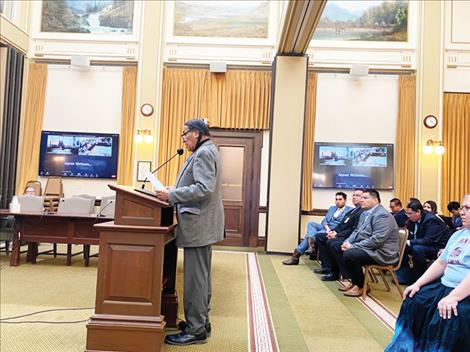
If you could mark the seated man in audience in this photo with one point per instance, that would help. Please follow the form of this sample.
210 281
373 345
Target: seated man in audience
435 315
398 212
374 241
426 235
454 208
336 237
332 218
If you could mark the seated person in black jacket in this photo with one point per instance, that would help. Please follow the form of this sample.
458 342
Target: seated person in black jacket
325 239
454 209
426 235
398 212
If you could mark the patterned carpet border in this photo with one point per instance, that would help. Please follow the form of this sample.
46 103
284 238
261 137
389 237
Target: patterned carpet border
262 334
380 311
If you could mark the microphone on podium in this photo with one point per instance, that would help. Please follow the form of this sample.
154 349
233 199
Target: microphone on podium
179 151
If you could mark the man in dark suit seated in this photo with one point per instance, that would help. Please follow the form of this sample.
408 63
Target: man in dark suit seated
374 241
337 236
398 212
426 235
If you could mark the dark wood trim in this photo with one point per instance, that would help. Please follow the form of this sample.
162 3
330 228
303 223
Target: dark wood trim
315 212
261 241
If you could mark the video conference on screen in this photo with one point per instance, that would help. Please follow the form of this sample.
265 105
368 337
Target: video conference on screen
79 145
353 165
78 154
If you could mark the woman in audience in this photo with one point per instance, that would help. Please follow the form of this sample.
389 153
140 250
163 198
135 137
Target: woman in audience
435 315
430 206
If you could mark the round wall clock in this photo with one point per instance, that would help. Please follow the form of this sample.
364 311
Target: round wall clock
146 109
430 121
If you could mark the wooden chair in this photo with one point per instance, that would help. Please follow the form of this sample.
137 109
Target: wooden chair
402 238
53 192
36 185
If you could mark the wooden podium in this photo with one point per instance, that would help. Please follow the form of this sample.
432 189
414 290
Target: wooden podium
135 292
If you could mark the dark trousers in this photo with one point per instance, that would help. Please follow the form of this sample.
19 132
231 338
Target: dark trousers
419 253
354 260
326 257
336 255
197 287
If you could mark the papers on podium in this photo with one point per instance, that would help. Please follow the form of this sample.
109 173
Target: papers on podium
157 185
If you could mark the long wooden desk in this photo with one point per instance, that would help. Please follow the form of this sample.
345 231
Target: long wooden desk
65 228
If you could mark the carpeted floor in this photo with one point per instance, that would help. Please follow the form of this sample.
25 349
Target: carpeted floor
307 314
51 285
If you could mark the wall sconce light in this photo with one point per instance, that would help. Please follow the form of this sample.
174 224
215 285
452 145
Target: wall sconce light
143 136
434 146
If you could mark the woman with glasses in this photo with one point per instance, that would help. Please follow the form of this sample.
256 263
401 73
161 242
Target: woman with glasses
435 315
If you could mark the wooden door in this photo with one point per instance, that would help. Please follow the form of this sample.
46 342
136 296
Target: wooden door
240 152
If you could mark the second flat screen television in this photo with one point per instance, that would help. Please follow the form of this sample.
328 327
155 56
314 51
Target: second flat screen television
78 154
353 165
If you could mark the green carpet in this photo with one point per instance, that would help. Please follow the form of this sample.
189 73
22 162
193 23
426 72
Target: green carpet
307 314
326 319
50 284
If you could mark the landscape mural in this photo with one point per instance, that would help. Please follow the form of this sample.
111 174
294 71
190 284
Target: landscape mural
87 16
364 20
235 19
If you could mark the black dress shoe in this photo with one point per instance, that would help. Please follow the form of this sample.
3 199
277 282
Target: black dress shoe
183 325
321 271
329 277
183 339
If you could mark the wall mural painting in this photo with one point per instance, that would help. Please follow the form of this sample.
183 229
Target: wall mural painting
234 19
88 16
364 20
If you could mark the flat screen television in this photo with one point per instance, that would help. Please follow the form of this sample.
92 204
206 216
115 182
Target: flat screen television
353 165
78 154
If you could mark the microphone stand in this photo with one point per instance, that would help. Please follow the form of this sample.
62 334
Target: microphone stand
179 151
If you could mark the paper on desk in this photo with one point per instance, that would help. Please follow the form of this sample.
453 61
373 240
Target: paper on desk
154 181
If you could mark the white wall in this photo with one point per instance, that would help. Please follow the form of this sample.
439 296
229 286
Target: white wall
83 100
355 109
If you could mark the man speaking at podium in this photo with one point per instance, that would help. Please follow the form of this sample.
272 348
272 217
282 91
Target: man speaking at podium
198 199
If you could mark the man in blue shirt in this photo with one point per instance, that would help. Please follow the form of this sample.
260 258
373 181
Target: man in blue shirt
333 217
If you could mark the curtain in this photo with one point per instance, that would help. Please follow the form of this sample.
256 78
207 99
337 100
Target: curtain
184 96
405 146
10 125
238 99
309 140
455 138
34 113
125 174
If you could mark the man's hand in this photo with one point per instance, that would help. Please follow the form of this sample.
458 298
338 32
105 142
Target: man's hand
345 246
162 195
447 306
331 234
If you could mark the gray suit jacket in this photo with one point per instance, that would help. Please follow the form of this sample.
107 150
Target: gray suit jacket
198 199
377 235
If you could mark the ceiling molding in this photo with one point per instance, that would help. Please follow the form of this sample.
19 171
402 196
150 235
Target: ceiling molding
300 21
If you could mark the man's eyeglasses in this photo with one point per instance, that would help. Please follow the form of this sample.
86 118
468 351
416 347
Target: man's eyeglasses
185 133
465 208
